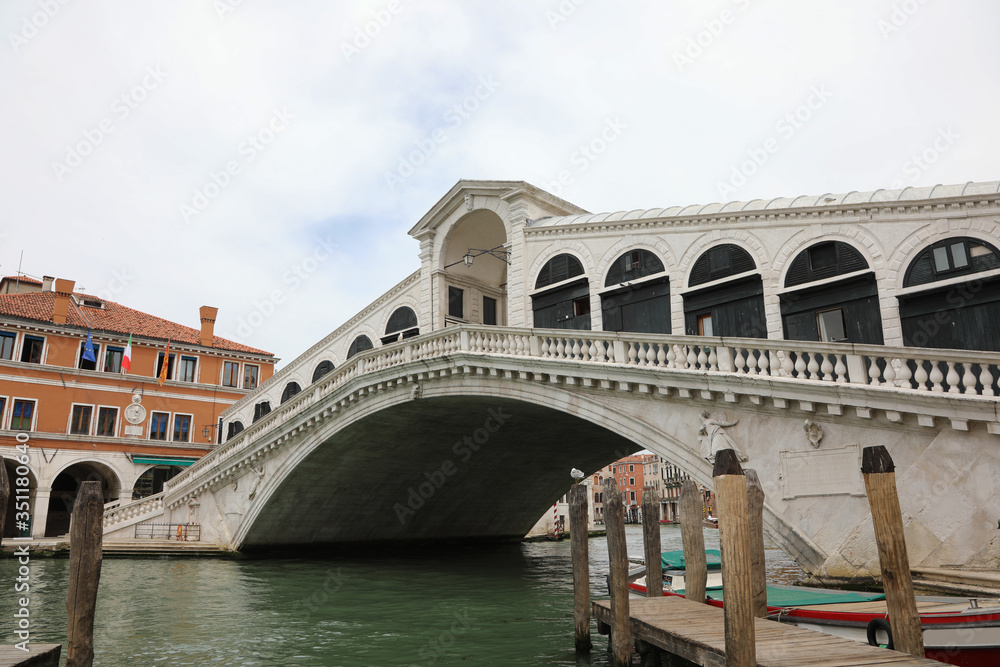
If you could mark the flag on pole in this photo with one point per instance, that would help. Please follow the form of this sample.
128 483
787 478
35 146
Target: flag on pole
165 366
88 348
127 359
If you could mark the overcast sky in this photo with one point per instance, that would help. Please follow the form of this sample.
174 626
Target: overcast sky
265 156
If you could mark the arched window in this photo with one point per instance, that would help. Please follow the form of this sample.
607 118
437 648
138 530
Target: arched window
559 268
960 314
720 262
291 389
566 306
360 344
322 369
845 310
824 260
403 320
951 258
643 308
729 307
633 265
260 410
234 428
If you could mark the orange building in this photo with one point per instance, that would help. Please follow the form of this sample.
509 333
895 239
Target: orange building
89 420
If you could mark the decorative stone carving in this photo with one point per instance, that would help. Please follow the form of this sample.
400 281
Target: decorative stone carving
469 203
814 432
259 472
714 439
416 392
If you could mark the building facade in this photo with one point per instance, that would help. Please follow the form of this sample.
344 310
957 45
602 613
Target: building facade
87 419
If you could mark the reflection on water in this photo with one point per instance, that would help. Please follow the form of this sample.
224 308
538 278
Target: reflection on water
501 605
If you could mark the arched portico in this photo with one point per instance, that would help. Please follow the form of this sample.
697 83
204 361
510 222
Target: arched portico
65 486
471 272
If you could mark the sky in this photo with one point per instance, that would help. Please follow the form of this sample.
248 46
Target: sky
268 158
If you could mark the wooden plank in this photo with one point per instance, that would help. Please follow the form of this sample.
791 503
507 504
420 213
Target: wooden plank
696 632
614 522
758 569
86 531
37 655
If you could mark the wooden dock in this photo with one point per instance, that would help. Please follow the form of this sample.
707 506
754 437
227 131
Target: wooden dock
38 655
695 632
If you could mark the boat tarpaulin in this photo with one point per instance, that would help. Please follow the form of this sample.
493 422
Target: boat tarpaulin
780 596
674 560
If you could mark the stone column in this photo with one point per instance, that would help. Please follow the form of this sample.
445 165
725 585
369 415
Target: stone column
40 512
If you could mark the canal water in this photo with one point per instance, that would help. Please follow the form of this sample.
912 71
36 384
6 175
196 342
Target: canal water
498 605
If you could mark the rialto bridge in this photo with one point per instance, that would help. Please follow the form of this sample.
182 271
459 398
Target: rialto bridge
536 337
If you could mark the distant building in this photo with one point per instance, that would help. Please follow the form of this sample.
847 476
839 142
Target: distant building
87 420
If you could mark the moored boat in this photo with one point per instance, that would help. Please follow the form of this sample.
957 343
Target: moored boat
957 631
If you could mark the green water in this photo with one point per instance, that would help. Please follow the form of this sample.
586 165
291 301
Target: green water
500 605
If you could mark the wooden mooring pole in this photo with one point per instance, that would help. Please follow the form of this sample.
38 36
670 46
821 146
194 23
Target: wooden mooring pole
651 543
693 540
734 534
85 535
614 523
4 496
758 568
578 534
880 483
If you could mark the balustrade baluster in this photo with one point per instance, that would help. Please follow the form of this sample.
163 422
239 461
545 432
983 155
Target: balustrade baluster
826 368
953 379
751 362
671 356
874 372
812 367
545 347
889 375
903 374
561 348
739 361
787 365
986 379
936 377
702 358
692 358
840 369
920 375
650 354
713 359
969 379
576 349
764 362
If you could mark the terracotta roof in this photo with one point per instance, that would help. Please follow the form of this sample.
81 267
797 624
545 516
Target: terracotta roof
113 318
22 279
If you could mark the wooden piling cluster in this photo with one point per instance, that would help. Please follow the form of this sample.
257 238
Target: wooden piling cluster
86 532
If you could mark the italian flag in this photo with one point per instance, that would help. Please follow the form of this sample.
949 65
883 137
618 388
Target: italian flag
127 359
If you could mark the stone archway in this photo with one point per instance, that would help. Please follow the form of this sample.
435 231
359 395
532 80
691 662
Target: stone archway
65 486
475 292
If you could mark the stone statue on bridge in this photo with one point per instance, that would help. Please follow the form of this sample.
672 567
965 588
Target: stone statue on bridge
714 439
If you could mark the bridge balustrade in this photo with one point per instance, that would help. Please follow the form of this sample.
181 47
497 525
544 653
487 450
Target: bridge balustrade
898 369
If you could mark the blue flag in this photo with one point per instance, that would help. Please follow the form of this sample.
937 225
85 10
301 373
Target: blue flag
88 348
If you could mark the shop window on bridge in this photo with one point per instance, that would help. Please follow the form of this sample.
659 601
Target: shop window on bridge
261 409
643 307
322 368
291 389
842 310
962 313
567 304
234 429
733 304
402 323
359 345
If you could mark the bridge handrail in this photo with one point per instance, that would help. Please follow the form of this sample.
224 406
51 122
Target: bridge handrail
130 510
970 373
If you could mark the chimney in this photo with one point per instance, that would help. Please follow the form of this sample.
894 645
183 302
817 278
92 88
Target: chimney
47 283
208 314
60 308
